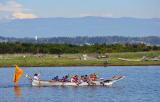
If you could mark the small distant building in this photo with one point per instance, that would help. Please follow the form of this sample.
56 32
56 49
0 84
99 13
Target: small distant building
36 38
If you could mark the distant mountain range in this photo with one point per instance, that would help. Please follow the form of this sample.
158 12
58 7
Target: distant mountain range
82 26
150 40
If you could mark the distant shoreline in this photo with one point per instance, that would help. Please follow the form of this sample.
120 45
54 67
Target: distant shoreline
82 66
151 58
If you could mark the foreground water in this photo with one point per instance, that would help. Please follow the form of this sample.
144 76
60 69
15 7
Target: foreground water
142 84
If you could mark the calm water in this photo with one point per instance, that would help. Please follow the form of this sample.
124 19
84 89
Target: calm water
142 84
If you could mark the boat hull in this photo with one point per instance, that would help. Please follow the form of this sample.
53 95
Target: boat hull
52 83
106 82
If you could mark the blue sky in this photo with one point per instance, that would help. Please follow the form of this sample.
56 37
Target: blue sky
77 8
28 9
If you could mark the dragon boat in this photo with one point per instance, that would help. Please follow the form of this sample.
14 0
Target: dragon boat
98 82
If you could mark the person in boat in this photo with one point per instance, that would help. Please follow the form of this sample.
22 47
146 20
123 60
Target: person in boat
82 79
56 78
74 79
86 78
36 76
93 77
65 78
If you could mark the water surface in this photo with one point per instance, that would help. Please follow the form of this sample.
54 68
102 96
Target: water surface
142 84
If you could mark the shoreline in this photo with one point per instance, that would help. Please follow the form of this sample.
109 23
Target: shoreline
83 65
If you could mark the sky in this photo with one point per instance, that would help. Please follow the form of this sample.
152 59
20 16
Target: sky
22 9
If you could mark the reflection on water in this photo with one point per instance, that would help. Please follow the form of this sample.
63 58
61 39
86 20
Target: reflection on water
17 90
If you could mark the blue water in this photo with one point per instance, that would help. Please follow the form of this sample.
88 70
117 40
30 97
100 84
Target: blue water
142 84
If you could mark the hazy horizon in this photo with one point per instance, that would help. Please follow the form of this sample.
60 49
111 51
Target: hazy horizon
39 37
16 17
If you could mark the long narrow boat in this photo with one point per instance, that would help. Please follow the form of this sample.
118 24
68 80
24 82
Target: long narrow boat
100 82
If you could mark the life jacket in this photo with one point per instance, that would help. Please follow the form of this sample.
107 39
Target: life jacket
76 78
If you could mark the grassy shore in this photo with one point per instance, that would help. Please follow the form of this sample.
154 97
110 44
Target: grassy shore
7 60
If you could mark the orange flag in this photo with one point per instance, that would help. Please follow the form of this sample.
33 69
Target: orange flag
17 73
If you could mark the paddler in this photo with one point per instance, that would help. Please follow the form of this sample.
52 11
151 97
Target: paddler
36 76
82 79
74 79
94 77
86 78
91 77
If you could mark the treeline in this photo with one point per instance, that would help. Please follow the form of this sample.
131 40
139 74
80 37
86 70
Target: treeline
10 48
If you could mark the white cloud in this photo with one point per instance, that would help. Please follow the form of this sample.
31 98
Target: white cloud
21 15
15 10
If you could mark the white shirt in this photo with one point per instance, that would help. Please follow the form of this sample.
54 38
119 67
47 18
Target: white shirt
81 81
72 80
36 77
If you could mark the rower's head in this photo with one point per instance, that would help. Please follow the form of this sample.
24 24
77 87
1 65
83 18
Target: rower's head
35 74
